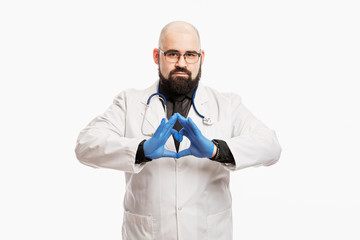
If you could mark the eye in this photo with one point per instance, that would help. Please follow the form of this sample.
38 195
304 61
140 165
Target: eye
172 54
191 55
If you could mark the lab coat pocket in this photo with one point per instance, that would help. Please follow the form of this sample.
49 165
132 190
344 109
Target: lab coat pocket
219 225
137 227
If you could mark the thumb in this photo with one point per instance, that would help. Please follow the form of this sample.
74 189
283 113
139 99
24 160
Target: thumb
168 153
184 153
177 135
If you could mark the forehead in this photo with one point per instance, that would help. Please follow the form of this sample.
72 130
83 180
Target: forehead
181 41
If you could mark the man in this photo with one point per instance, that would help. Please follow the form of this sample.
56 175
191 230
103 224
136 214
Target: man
177 171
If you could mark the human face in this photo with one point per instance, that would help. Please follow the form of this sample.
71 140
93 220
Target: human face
181 42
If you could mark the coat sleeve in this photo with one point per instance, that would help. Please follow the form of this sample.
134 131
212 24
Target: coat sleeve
102 142
252 143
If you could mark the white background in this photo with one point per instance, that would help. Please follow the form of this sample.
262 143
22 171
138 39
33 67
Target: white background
295 64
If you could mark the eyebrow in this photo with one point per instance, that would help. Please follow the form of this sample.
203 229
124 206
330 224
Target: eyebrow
174 50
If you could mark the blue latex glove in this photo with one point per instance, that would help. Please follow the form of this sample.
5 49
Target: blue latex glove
155 146
200 147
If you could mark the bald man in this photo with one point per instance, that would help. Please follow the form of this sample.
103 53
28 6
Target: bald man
177 142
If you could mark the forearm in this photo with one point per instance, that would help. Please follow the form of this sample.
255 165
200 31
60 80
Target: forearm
222 152
102 148
261 148
140 154
252 142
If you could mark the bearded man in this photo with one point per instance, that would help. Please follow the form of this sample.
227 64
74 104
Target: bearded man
177 142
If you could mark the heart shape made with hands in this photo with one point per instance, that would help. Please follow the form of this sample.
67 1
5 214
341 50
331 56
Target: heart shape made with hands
200 146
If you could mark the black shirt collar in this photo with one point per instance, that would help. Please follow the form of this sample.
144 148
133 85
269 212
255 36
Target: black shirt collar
171 97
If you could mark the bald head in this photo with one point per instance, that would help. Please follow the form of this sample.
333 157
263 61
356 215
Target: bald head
178 27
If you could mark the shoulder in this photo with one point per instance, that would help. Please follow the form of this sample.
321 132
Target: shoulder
223 97
133 94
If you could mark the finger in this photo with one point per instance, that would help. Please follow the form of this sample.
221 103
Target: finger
160 127
168 132
168 153
183 132
174 117
183 153
193 126
177 135
163 130
182 120
170 124
188 129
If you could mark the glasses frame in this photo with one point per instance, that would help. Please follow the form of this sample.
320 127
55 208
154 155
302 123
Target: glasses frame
172 51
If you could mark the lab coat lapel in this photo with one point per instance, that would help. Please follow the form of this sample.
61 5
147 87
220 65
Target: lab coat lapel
152 113
202 104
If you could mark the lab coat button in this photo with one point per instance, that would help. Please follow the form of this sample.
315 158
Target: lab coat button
179 208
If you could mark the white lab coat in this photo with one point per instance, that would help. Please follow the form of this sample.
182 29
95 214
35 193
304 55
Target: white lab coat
176 199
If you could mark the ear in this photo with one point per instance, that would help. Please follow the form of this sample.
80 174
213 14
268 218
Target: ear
156 55
202 56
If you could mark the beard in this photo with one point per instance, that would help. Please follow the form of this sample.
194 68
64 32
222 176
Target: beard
176 85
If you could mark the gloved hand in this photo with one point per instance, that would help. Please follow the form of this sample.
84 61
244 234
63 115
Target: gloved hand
155 146
200 147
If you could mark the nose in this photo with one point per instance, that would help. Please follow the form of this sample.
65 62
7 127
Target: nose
181 62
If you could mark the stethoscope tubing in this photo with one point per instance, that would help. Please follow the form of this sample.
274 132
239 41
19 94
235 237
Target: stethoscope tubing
165 101
193 103
206 121
154 94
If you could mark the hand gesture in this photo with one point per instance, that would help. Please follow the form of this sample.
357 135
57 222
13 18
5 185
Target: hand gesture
155 146
200 147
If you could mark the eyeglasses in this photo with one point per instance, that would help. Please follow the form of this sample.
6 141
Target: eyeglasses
173 56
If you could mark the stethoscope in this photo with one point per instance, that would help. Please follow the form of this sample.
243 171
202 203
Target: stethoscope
206 120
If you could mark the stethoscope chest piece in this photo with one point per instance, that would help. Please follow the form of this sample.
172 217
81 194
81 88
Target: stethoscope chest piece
207 121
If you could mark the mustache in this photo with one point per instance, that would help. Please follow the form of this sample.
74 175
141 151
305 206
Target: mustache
180 69
179 87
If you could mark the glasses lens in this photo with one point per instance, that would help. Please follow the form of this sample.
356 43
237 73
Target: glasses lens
191 58
172 57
